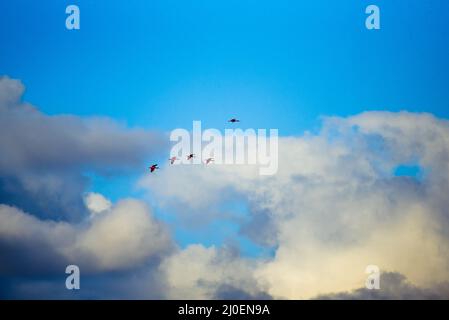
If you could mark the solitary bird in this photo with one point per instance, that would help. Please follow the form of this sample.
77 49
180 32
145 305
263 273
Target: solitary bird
153 167
209 160
190 156
173 159
233 120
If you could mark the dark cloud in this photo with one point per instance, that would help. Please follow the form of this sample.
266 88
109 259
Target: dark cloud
44 157
228 292
142 283
55 195
30 258
31 246
260 228
393 286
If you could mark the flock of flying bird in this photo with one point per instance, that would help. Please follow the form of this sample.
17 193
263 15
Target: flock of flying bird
190 156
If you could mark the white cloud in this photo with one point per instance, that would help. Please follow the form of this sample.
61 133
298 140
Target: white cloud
124 236
335 205
198 272
96 203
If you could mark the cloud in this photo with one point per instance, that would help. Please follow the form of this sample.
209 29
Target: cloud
44 157
335 205
96 203
10 92
198 272
122 237
139 283
394 287
122 248
44 221
38 141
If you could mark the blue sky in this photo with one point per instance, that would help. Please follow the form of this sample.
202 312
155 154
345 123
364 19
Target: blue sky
162 64
282 64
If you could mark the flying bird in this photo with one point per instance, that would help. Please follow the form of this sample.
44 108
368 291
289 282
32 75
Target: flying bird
209 160
173 159
190 156
153 167
233 120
